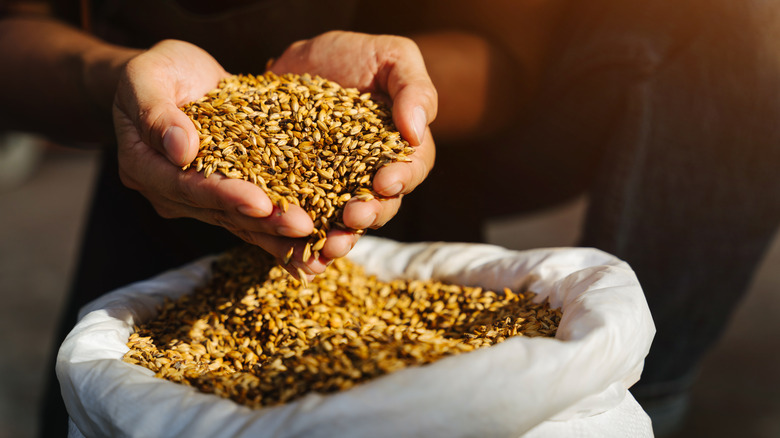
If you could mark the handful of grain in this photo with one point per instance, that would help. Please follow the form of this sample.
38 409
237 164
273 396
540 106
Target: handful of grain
256 335
304 139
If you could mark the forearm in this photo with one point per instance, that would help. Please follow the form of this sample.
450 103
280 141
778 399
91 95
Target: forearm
57 80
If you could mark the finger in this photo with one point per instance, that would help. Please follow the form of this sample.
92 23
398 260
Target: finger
151 107
154 85
276 224
391 181
375 213
359 215
389 207
402 177
191 194
245 204
290 252
293 60
279 247
415 100
338 244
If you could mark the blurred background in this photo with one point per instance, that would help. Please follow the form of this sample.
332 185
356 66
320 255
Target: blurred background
44 193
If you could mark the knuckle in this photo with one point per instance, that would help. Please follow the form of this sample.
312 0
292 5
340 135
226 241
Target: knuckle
331 34
400 41
406 48
166 43
133 66
408 44
297 47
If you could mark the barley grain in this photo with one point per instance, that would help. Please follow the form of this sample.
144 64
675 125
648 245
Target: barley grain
256 335
293 136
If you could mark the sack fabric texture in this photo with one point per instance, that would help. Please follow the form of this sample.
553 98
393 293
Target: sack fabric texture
573 385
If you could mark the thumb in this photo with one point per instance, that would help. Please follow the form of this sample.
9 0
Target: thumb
151 107
164 127
415 100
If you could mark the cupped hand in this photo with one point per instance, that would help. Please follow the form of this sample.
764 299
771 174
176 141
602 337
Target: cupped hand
391 68
155 138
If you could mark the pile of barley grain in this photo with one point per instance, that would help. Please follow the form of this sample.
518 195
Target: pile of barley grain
256 335
304 139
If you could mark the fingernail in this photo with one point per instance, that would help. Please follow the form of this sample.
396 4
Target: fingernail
372 221
175 144
287 231
319 265
304 268
393 189
248 210
419 122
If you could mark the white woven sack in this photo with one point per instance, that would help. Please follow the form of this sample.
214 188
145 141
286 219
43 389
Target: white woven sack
572 386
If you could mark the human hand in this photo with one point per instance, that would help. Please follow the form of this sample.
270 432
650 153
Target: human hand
155 138
392 68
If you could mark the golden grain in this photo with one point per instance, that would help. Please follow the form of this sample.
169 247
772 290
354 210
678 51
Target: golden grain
258 336
296 135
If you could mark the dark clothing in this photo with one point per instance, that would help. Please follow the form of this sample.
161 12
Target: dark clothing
686 189
664 112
